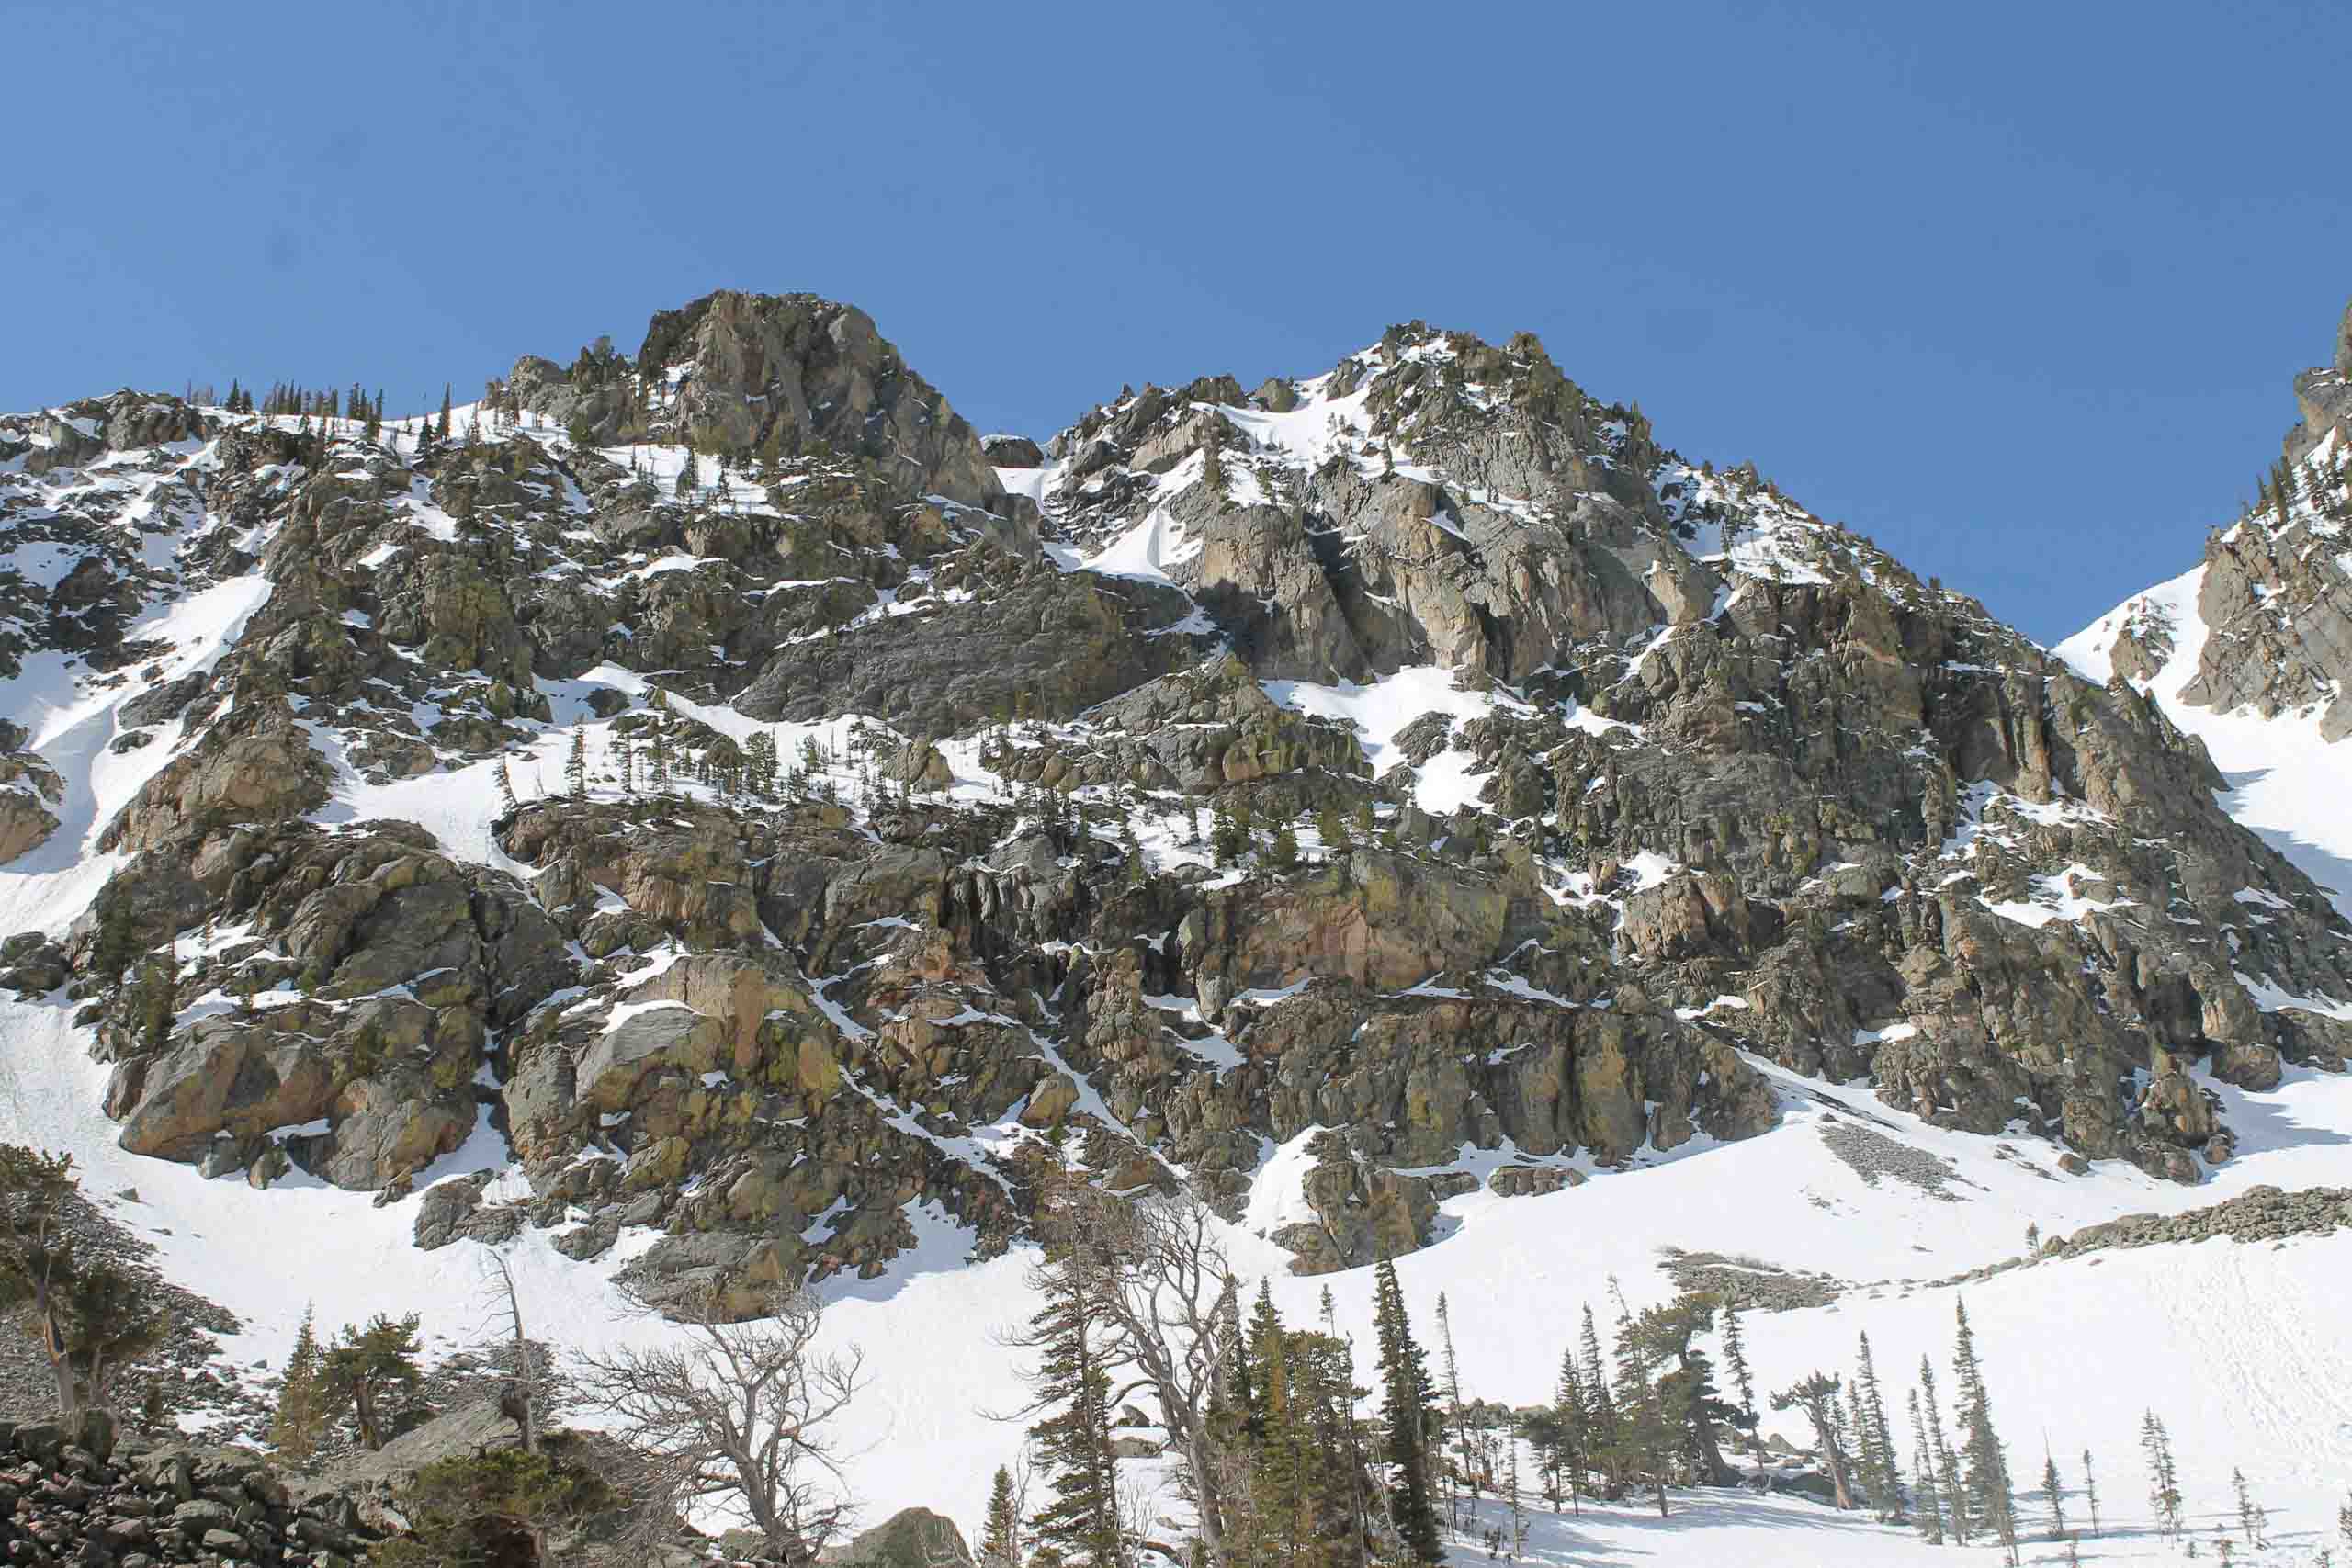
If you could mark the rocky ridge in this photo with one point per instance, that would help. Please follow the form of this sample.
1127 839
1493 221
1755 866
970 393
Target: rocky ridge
1560 777
2275 591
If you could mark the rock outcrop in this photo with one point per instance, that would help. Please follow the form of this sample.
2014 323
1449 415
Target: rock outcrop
704 778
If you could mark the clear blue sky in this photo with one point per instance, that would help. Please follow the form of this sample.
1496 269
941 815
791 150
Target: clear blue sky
2017 289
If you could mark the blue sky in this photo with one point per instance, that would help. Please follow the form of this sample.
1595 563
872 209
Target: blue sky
2016 289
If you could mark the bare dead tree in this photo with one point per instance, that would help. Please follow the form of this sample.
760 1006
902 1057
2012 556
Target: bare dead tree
519 1401
1166 1286
738 1412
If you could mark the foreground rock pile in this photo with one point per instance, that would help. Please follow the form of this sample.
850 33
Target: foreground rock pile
76 1495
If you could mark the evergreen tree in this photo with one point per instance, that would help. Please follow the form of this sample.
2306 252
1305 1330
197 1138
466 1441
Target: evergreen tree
1691 1407
1227 838
1512 1498
1001 1535
2252 1515
2164 1479
1455 1472
1284 852
301 1419
1947 1461
1601 1416
117 940
1564 1452
1818 1396
1742 1381
110 1317
1929 1488
1408 1416
441 430
505 787
369 1366
575 770
685 486
88 1316
2090 1491
2053 1494
157 999
1333 829
1644 1439
1080 1521
1986 1488
1875 1438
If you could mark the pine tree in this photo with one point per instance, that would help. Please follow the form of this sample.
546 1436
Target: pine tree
1408 1416
505 787
1817 1397
117 940
2054 1494
1923 1471
1333 829
575 769
441 430
156 999
2164 1479
1080 1521
1000 1535
301 1419
685 486
2090 1491
1989 1498
1876 1438
369 1366
1570 1414
1742 1381
2252 1515
1458 1435
1947 1461
1227 837
1511 1495
1600 1415
1283 852
1643 1440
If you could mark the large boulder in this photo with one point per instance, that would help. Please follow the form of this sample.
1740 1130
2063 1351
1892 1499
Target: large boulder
266 775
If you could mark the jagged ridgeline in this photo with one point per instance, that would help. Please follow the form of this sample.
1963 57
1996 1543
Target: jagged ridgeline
775 813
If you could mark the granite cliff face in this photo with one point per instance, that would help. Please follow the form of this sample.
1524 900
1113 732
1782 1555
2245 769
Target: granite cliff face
776 816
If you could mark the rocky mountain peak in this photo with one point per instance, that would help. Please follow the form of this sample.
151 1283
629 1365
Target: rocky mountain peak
711 783
768 378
